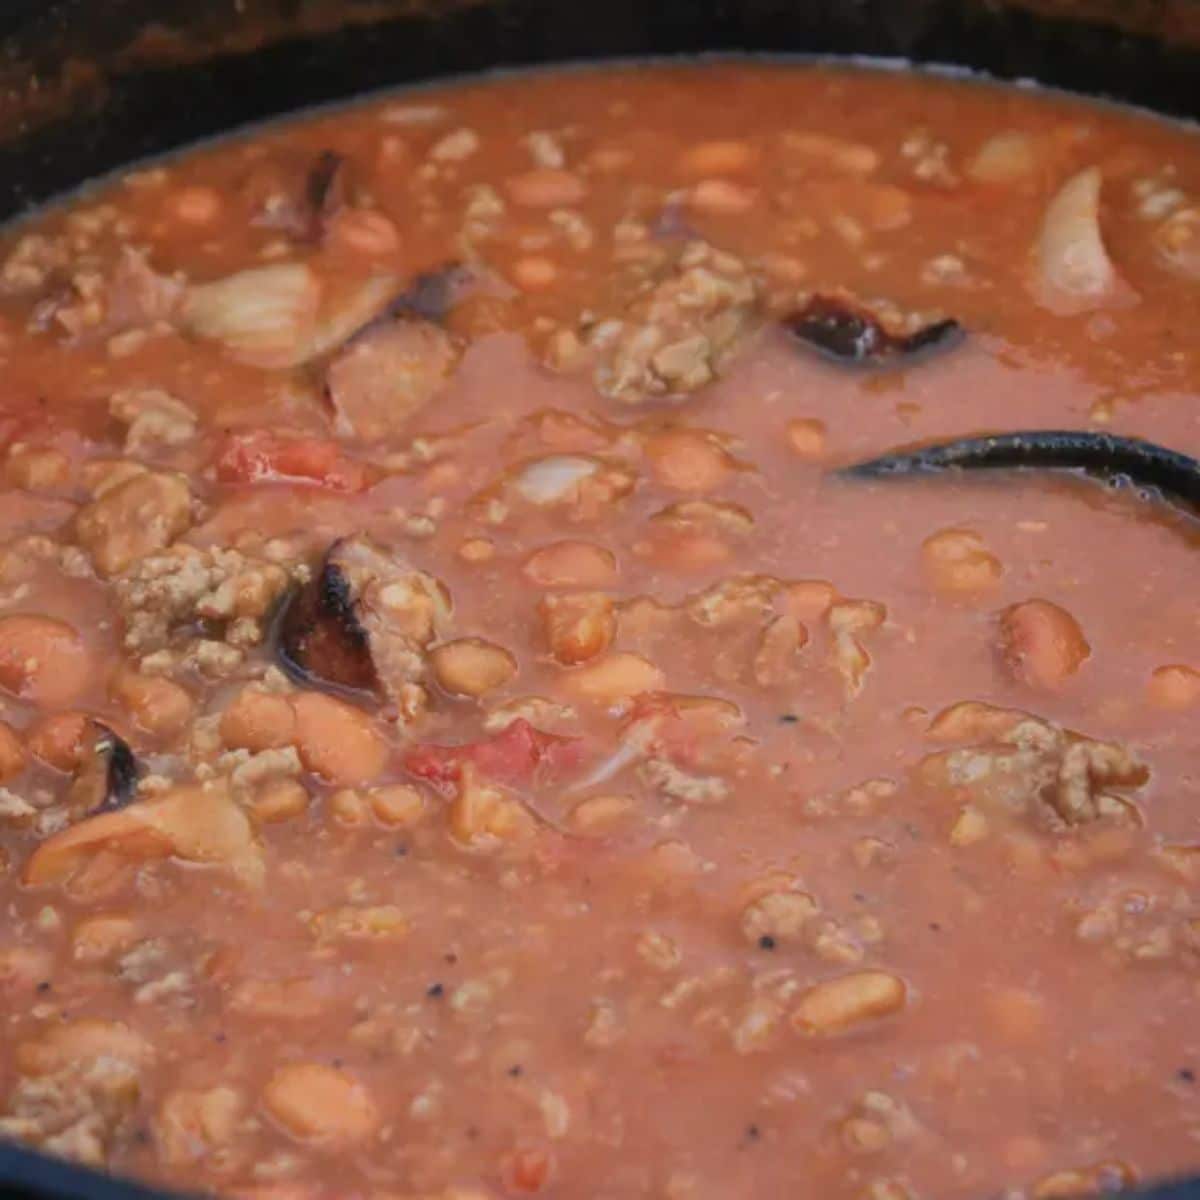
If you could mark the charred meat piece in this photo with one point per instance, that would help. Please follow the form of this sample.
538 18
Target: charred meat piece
432 295
297 195
321 643
324 191
844 333
1151 470
107 776
361 627
386 374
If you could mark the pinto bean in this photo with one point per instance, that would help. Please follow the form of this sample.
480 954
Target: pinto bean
957 562
546 187
809 599
476 550
348 806
534 273
1043 644
84 1040
159 706
196 205
258 721
59 739
398 805
337 741
688 460
831 153
615 678
292 999
578 626
12 753
99 938
598 815
1105 1178
363 231
722 198
278 800
847 1001
471 666
42 660
717 158
321 1104
1174 687
571 564
972 720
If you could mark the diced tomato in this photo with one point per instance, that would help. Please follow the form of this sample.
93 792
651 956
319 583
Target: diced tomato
262 457
527 1170
514 756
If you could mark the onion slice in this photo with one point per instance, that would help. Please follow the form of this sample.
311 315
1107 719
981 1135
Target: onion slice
1075 273
264 316
274 317
191 823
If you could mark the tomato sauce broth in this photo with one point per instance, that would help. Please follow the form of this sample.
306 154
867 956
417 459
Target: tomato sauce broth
463 738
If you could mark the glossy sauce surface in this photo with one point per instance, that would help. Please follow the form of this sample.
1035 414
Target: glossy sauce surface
462 738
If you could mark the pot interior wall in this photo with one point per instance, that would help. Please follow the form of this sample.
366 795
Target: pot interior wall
88 85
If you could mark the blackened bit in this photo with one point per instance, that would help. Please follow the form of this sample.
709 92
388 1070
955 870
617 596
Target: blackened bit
325 189
1150 469
319 639
433 294
107 778
843 333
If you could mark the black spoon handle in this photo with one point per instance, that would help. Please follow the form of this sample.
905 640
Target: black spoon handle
1116 460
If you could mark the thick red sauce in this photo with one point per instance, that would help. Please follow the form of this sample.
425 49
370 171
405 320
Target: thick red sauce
462 738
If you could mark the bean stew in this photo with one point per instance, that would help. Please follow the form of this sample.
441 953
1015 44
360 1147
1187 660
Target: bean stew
465 735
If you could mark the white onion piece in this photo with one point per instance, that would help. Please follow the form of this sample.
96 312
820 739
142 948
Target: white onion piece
548 480
188 822
264 316
1003 158
273 316
1075 273
348 316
